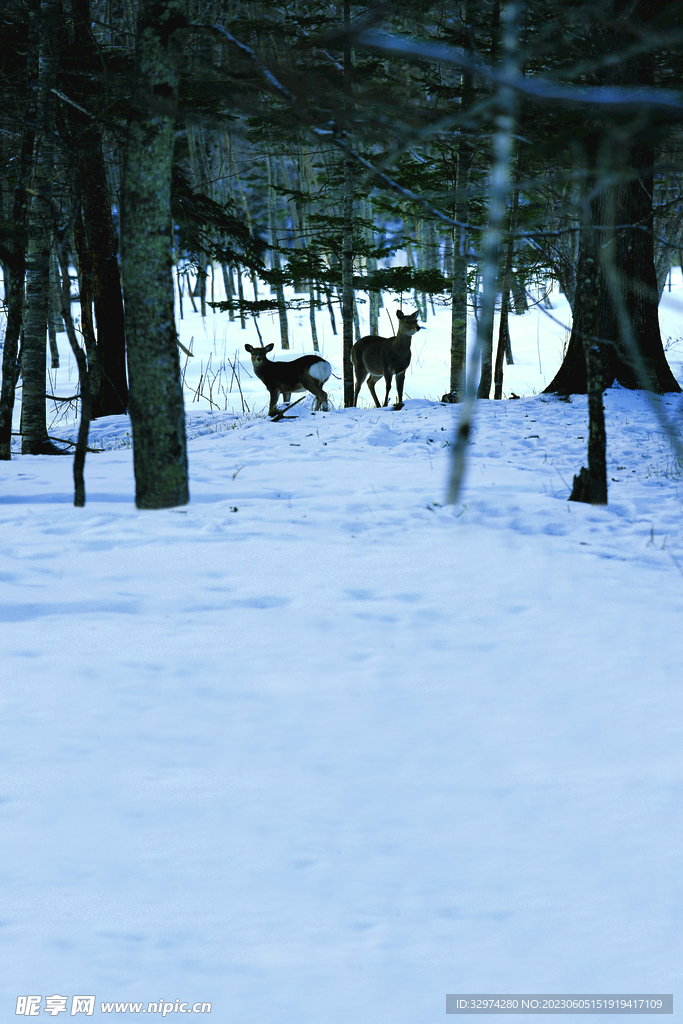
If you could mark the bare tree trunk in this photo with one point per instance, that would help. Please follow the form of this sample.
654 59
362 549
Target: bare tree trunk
53 317
85 291
311 314
98 237
17 268
34 439
459 279
591 484
155 392
81 362
275 255
460 239
504 350
347 217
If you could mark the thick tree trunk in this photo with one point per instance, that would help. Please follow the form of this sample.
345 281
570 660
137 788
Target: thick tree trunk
637 359
624 275
33 362
17 268
623 283
110 390
155 391
112 396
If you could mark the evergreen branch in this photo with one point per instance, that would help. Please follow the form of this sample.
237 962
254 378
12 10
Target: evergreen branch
277 89
539 89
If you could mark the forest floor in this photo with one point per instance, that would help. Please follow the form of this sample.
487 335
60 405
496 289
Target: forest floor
318 746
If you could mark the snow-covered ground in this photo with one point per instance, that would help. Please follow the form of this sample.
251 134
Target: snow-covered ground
317 747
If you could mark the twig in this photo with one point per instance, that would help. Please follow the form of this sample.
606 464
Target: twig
280 414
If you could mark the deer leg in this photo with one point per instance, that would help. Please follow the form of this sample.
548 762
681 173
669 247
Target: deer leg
387 380
400 377
274 395
360 377
286 397
316 389
371 384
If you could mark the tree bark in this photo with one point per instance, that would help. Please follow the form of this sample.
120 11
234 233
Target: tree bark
347 216
275 255
34 439
619 162
460 267
17 267
110 391
155 391
591 485
82 363
504 349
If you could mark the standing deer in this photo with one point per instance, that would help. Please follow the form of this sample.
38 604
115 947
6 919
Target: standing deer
308 373
374 357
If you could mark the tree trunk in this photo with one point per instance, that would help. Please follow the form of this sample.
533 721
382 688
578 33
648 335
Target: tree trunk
500 186
17 268
112 396
34 439
81 362
275 255
504 349
347 217
460 266
503 345
155 391
625 280
85 291
459 281
591 485
109 386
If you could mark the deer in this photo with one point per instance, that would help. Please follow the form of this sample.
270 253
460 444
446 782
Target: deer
374 357
308 373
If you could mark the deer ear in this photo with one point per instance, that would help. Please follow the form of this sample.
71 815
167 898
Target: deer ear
269 348
400 314
249 348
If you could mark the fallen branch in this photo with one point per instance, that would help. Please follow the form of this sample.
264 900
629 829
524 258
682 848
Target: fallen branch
63 440
280 414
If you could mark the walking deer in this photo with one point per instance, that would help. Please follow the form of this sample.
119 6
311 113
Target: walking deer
308 373
374 357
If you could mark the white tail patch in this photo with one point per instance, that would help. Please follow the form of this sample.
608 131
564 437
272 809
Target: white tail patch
321 371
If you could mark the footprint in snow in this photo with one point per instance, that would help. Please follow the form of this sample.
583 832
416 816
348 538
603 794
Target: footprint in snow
382 436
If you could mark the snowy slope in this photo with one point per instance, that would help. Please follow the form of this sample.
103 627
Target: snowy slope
317 747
